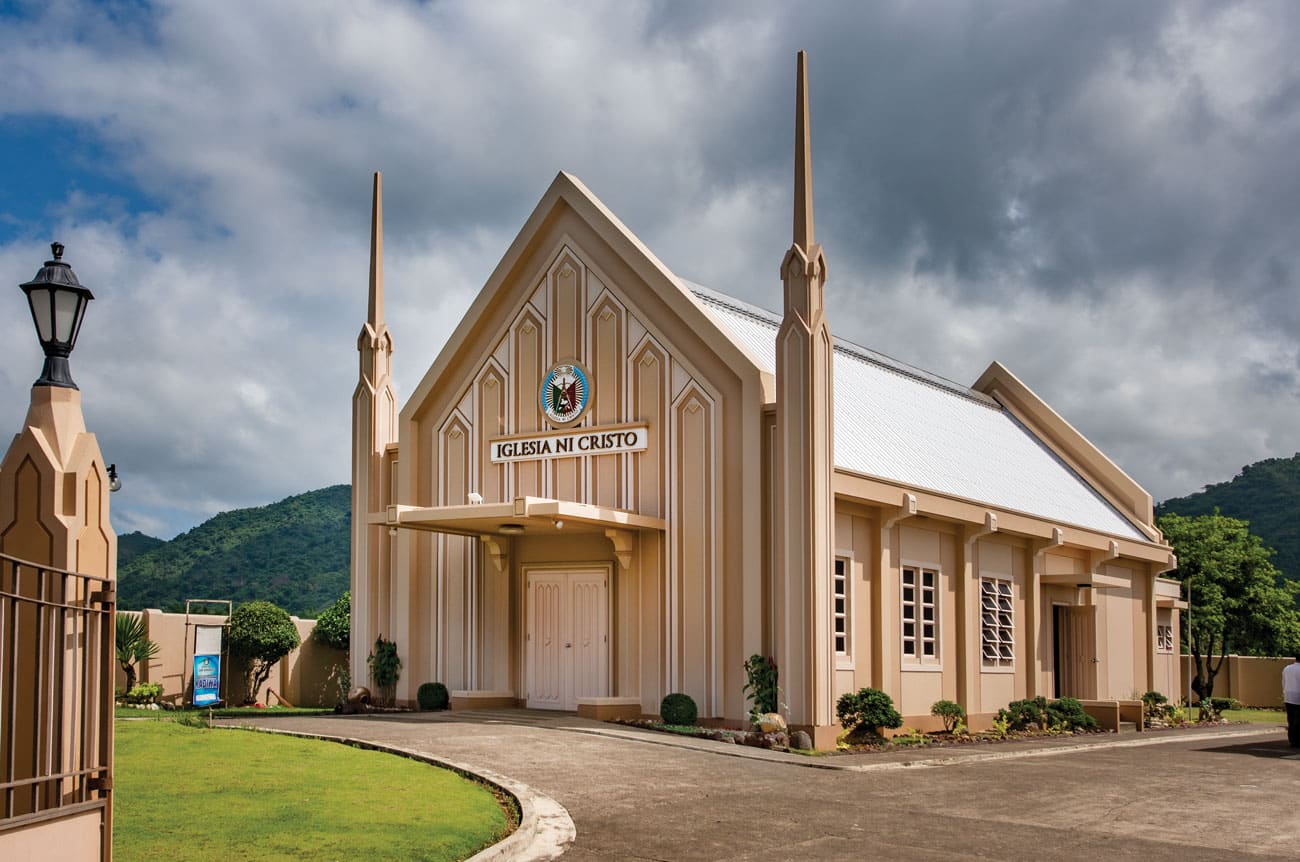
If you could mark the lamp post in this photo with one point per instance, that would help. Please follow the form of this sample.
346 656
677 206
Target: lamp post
58 303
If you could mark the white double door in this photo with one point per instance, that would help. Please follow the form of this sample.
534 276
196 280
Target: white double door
567 636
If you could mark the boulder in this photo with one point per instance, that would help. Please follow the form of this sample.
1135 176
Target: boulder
771 722
800 739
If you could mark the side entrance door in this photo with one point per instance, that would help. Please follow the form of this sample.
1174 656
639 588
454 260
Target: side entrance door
1075 660
567 637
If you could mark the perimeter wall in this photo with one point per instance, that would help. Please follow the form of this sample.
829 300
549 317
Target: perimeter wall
1251 681
311 675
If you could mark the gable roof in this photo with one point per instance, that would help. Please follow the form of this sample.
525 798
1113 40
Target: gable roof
568 194
899 423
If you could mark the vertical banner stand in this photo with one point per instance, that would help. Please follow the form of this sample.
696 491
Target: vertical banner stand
206 656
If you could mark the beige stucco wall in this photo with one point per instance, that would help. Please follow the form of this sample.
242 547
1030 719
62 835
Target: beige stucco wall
308 676
679 610
690 603
77 836
1252 681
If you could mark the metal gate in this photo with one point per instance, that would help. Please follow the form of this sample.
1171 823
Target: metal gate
56 700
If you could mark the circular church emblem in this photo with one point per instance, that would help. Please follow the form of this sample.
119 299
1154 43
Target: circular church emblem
565 394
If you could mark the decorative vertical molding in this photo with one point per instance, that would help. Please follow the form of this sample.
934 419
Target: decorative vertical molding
567 280
648 389
528 365
453 571
606 358
692 600
490 420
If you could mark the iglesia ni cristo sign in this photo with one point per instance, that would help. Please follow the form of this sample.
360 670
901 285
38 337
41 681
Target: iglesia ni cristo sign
590 441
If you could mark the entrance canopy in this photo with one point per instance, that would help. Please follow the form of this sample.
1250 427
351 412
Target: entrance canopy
523 516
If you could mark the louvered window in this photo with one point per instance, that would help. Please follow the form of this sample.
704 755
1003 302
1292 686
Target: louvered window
997 627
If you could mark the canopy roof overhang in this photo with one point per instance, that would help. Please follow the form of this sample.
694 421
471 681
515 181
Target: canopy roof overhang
523 516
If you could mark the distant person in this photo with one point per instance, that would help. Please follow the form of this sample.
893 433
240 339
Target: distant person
1291 697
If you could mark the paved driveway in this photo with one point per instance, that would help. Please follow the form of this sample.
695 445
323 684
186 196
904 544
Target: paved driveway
1191 796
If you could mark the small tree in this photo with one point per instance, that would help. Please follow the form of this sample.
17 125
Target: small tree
133 646
866 711
385 668
761 685
1239 603
334 625
259 634
950 711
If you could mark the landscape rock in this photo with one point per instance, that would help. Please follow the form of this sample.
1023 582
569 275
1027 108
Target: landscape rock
800 739
772 722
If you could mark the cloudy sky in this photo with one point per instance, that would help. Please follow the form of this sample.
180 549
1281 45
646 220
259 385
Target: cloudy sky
1104 196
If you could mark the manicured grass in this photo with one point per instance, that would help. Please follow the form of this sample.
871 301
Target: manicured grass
199 794
223 712
1261 716
1255 716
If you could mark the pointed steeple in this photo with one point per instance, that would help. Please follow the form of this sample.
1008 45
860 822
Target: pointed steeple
375 312
374 429
803 186
802 462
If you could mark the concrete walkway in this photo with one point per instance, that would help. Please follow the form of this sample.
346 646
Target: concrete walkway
1202 794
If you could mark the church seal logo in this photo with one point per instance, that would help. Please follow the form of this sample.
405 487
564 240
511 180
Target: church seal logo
566 393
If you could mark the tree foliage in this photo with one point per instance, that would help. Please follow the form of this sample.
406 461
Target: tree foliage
334 625
385 668
133 645
1266 495
258 635
1239 603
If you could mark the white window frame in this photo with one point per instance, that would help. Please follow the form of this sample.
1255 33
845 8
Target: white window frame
1165 638
1003 623
843 657
917 659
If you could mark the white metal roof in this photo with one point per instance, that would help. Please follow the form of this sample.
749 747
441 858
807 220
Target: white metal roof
899 423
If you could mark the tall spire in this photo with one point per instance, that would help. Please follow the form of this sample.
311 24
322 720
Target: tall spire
803 460
803 188
375 312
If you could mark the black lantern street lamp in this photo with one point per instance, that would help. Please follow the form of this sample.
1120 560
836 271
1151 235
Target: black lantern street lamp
58 302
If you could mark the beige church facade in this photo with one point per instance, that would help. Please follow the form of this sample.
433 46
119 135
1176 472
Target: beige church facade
614 484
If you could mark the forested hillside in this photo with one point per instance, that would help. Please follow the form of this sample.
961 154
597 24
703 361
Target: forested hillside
132 545
1267 494
293 553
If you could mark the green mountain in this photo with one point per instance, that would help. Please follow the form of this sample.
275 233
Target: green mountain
1267 494
294 553
132 545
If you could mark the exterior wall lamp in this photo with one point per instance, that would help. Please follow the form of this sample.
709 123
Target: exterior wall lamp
58 303
114 483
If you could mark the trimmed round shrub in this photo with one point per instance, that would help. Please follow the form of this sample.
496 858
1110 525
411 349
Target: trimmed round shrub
1027 714
867 710
950 711
334 624
1068 713
432 695
678 708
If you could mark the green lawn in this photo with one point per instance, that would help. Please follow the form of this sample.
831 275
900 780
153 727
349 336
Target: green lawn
1261 716
222 712
199 794
1256 716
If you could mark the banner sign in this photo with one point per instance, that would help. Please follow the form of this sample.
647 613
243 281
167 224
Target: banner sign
594 441
207 665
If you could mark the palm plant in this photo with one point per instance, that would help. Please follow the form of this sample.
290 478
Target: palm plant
133 645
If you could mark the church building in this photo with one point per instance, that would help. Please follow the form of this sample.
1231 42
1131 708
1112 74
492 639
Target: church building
613 484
